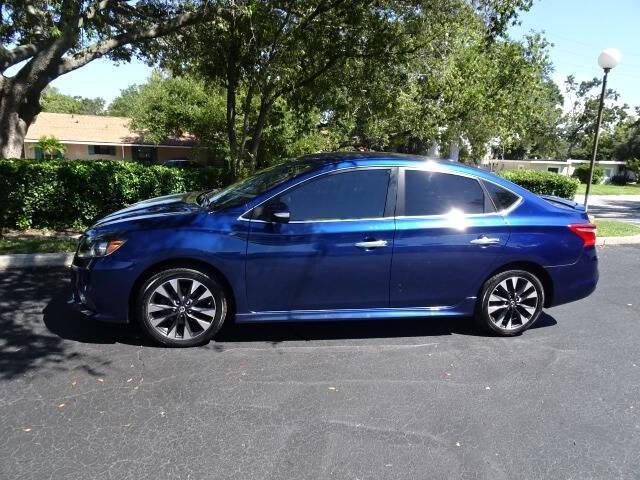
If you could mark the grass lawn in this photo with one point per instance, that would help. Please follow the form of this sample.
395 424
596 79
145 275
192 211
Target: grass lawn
608 189
616 228
32 244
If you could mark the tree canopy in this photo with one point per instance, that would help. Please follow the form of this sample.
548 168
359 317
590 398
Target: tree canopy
54 101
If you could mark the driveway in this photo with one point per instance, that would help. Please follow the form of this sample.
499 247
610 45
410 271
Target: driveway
361 400
619 207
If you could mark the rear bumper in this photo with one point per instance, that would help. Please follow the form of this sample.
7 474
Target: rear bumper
576 281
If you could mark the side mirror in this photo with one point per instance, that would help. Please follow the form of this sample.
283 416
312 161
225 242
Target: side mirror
277 212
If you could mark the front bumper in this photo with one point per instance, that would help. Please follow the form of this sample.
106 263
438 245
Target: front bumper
100 289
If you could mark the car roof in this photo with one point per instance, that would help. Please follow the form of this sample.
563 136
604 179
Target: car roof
346 159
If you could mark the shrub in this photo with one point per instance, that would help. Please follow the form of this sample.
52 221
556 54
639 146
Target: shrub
619 180
582 173
63 194
543 183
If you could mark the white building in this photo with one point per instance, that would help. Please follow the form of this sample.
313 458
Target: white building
563 167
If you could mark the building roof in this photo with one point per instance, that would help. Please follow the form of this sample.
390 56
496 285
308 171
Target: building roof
93 129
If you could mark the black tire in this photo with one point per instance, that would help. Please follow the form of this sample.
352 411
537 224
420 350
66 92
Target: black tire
196 319
514 311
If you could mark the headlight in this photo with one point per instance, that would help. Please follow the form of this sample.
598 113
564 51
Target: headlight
98 247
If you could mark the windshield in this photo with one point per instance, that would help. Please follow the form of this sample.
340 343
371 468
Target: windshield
246 190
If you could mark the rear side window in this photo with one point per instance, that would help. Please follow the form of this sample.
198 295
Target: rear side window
340 196
502 198
435 193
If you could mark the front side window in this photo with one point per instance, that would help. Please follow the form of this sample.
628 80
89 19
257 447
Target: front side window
357 194
435 193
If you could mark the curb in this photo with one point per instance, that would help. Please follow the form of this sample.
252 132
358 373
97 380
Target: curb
631 240
35 260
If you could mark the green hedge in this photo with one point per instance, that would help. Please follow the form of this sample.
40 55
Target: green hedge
61 194
543 183
582 173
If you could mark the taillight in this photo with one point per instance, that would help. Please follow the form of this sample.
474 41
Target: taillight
586 231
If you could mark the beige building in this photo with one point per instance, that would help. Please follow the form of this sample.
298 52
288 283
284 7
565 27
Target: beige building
563 167
106 138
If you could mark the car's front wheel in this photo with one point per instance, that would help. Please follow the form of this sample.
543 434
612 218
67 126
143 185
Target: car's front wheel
511 302
181 307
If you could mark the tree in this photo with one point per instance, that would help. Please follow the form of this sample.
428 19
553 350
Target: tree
167 106
262 52
463 91
52 38
123 104
579 123
51 147
627 135
54 101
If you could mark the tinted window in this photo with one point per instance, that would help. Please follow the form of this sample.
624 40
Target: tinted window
340 196
263 181
502 198
432 193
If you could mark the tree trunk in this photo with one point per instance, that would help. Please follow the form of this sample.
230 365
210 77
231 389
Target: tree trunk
17 112
265 106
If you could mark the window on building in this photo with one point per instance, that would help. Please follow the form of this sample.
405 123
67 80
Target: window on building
102 150
553 169
144 154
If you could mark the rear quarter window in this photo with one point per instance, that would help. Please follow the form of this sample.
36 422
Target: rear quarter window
502 198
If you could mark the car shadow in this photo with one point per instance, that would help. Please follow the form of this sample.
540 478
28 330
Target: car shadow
63 321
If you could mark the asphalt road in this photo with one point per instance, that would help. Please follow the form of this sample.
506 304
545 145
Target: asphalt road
414 399
616 207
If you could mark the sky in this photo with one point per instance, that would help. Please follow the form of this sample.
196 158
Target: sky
578 29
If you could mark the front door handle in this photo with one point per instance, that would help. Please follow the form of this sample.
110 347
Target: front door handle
485 241
367 244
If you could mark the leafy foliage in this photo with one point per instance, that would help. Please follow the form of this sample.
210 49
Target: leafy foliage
51 147
581 172
578 125
73 194
54 101
543 183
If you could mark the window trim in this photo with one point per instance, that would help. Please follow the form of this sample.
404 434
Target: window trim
401 196
389 209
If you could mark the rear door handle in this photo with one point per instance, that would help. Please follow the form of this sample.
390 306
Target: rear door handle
372 244
485 241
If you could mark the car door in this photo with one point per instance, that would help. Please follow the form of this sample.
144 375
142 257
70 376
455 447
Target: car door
335 250
449 237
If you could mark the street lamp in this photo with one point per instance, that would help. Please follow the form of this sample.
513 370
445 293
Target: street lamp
608 59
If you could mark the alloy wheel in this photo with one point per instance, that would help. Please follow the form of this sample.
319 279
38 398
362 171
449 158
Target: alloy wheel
513 303
181 308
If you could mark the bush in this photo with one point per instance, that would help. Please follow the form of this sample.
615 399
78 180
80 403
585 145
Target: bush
61 194
619 180
543 183
582 173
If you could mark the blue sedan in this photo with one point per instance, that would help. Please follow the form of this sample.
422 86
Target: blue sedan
337 236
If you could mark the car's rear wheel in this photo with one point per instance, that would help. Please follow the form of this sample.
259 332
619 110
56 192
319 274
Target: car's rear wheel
181 307
511 302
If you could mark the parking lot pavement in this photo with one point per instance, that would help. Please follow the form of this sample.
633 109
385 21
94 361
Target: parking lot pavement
389 399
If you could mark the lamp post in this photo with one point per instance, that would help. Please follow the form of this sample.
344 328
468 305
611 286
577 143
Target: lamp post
608 59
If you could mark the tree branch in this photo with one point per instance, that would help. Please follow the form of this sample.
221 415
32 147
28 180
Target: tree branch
16 55
103 47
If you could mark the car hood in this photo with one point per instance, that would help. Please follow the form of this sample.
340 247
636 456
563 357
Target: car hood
154 208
